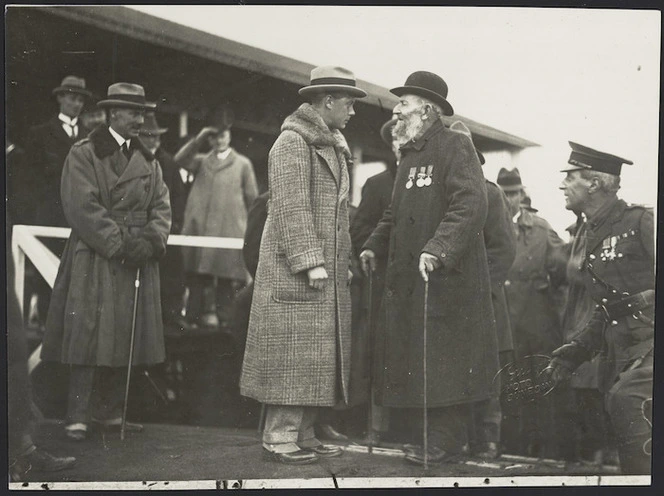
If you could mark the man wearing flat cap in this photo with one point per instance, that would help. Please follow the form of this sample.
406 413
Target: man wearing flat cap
616 247
297 356
432 233
116 202
37 183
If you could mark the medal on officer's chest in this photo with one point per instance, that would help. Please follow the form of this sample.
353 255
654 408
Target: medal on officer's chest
411 176
420 177
609 249
428 180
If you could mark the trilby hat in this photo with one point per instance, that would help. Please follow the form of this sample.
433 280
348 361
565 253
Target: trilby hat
328 78
126 95
427 85
509 180
72 84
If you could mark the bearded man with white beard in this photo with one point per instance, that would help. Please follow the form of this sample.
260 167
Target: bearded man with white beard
433 232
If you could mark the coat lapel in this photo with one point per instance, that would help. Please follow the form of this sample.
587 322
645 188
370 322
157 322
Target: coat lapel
330 158
137 167
59 132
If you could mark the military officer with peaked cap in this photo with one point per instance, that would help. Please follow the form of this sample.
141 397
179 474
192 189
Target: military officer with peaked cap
617 242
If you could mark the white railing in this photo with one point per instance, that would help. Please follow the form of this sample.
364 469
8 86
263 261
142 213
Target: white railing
25 244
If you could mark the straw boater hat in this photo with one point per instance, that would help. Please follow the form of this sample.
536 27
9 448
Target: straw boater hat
150 126
126 95
327 78
72 84
427 85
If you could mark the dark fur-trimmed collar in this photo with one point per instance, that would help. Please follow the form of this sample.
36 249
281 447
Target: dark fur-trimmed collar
308 123
105 145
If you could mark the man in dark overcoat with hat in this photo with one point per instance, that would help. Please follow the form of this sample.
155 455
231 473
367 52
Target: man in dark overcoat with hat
500 242
433 232
37 182
115 199
618 268
532 286
171 267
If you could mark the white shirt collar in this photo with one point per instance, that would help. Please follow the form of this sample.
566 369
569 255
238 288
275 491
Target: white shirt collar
516 217
119 138
224 155
68 120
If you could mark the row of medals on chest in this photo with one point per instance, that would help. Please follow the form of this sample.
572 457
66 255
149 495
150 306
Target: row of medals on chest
609 253
423 177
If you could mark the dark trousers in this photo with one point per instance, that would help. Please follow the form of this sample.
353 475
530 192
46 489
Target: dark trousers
447 427
95 392
208 294
629 403
19 413
171 282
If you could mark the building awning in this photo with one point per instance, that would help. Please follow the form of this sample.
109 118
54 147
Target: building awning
144 27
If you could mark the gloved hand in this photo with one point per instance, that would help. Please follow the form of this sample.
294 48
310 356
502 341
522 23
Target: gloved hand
139 251
565 360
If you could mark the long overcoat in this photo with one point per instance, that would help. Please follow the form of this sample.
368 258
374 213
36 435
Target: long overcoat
532 285
500 241
298 343
89 319
217 205
445 219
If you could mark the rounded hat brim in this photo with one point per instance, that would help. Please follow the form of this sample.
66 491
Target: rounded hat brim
67 89
153 132
434 97
318 88
125 104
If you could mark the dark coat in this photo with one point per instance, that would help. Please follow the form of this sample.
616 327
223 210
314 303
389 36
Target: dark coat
89 319
532 284
176 188
47 146
620 250
217 205
445 219
298 343
500 241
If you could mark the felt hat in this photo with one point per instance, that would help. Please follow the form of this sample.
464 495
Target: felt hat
427 85
328 78
509 180
72 84
126 95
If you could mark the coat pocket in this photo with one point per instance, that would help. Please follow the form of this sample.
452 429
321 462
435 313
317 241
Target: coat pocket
293 288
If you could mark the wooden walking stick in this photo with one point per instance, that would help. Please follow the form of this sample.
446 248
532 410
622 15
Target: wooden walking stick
137 284
370 350
424 365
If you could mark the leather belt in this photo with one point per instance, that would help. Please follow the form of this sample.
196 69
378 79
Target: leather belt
130 218
630 305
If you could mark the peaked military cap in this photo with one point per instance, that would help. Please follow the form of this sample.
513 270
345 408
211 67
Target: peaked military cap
509 180
585 158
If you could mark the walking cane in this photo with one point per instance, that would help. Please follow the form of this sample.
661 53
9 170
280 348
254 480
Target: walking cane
424 362
370 358
137 284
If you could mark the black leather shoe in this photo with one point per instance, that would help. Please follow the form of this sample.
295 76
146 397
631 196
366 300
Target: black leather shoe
325 451
299 457
328 432
43 461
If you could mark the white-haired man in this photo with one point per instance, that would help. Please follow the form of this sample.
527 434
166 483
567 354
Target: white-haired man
432 233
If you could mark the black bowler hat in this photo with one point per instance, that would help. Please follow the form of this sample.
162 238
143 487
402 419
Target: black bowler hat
509 180
584 158
386 131
460 127
427 85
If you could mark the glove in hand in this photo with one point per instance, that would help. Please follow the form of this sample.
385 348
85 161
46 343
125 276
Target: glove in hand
139 251
565 360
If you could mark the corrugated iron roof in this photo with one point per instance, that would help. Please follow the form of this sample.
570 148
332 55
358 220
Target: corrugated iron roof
138 25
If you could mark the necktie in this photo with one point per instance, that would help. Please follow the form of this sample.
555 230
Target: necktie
70 129
125 150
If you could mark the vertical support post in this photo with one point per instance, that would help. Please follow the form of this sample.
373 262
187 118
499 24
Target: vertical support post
184 124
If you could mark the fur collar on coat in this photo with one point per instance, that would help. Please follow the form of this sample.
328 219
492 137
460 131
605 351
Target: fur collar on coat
105 145
308 123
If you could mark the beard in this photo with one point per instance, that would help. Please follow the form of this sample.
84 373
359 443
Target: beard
405 130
